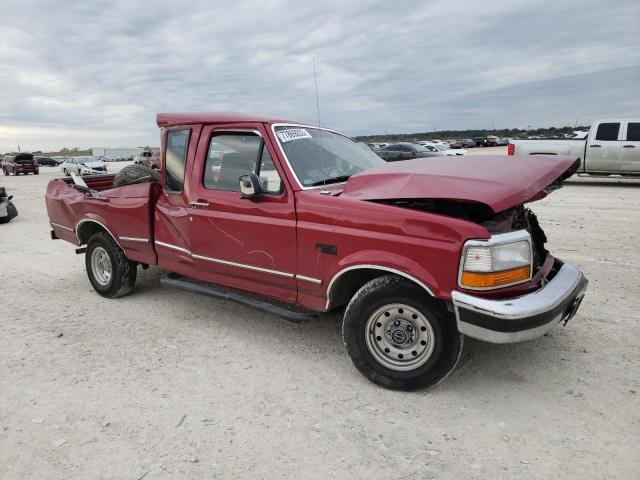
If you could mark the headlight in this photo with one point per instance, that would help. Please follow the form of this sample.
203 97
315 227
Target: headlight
503 260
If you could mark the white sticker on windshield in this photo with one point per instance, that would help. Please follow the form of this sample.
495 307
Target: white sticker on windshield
292 134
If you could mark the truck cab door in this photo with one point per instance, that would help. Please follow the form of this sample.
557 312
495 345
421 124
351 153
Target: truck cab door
243 243
631 148
604 147
171 220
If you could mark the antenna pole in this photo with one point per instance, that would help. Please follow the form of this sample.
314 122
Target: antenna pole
315 79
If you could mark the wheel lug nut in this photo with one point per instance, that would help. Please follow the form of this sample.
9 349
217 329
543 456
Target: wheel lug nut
388 332
409 328
396 323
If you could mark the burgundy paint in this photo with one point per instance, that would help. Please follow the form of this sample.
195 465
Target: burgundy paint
280 232
496 181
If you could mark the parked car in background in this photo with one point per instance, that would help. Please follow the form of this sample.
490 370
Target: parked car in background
443 150
580 134
8 210
47 161
455 144
18 163
83 166
468 143
611 147
154 161
143 158
486 141
405 151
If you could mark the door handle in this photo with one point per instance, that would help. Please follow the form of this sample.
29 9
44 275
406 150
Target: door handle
629 146
594 146
199 204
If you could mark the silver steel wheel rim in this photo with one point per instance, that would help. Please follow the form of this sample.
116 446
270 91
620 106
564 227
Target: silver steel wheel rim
399 337
101 266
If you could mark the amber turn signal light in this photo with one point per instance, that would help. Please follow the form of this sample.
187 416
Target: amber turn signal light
495 279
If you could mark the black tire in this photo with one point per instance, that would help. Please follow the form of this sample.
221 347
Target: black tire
446 344
66 174
123 270
135 174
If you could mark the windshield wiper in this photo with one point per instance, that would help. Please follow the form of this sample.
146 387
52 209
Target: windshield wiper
327 181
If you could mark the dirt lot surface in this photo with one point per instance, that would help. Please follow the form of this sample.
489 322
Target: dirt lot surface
164 384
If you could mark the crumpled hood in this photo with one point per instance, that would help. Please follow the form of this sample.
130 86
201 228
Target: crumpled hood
94 164
501 182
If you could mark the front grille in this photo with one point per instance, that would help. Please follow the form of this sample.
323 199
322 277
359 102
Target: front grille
526 219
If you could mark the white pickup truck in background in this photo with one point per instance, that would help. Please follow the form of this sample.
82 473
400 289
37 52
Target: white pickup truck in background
611 148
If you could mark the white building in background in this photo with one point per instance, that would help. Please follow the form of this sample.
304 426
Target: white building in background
116 152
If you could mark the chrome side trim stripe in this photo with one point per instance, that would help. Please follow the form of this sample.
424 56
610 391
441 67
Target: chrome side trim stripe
62 226
134 239
173 247
235 264
242 265
309 279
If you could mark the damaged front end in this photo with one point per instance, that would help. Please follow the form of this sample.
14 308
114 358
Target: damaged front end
513 219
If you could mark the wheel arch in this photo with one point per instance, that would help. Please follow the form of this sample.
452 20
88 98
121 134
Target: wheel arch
347 281
87 227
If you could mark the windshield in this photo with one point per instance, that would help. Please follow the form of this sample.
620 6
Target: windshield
319 156
442 148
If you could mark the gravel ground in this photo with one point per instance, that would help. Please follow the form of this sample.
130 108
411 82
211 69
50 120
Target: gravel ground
164 384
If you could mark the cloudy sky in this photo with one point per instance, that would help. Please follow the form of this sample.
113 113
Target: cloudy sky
95 73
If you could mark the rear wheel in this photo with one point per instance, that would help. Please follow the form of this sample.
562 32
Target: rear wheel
398 336
110 272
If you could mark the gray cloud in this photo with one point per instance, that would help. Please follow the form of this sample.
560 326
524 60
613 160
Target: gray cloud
95 73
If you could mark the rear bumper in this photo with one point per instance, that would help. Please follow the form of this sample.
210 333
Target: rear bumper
521 318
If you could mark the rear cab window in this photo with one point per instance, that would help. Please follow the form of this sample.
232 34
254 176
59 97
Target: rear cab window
175 159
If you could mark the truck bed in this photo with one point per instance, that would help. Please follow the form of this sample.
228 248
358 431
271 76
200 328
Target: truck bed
124 212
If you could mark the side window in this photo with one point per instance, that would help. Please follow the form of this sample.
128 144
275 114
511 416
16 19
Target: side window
233 154
633 132
268 175
608 131
175 157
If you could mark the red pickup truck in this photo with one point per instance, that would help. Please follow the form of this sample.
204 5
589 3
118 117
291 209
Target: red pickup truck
20 163
418 253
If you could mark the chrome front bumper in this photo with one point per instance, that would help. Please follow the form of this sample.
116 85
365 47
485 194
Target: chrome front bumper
521 318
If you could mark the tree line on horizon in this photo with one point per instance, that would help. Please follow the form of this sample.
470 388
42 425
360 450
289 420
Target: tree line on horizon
505 132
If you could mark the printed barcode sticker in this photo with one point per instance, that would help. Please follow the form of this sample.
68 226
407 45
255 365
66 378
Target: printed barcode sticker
292 134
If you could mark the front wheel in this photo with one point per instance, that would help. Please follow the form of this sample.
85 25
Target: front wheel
66 173
399 337
110 272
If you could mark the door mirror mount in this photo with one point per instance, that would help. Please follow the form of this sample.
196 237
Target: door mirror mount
250 186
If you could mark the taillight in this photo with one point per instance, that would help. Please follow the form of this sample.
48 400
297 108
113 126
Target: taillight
511 149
